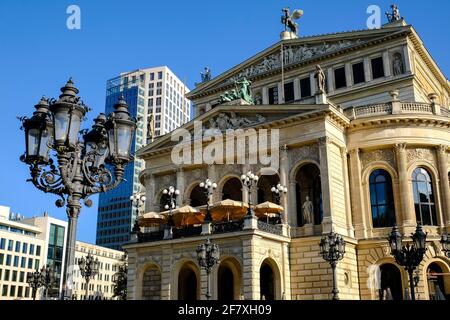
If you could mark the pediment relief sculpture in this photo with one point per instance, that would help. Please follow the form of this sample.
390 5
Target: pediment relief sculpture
225 121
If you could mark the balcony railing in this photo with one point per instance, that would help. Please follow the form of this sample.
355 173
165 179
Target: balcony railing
223 227
395 107
270 228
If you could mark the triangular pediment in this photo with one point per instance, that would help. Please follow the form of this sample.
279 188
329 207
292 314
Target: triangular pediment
296 51
223 118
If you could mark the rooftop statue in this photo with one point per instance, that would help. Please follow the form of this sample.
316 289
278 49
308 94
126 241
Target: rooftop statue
288 19
320 76
241 92
206 75
395 15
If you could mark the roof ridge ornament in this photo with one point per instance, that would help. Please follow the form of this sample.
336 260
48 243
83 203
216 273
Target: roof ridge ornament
395 15
288 20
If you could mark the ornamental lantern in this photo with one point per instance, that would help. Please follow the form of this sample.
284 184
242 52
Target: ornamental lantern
419 238
96 142
120 126
38 134
395 240
68 112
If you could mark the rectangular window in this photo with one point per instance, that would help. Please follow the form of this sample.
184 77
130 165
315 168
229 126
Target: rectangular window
273 95
2 256
17 246
30 263
289 92
305 87
10 245
19 292
38 250
2 243
16 261
8 259
377 68
150 102
358 73
5 290
160 75
158 92
14 276
31 249
27 292
24 247
23 262
158 103
152 76
6 277
12 291
339 78
22 276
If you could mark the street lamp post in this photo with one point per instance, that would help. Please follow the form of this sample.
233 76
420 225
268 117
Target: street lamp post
332 249
120 279
445 241
249 180
410 255
138 202
171 194
78 168
44 278
277 191
88 269
208 188
208 256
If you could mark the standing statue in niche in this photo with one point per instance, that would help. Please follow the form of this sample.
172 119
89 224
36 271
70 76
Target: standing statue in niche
308 211
397 64
320 76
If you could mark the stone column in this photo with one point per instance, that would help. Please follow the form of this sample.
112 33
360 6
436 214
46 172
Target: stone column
250 270
406 59
325 181
265 95
150 193
212 175
167 292
330 80
292 209
348 206
280 93
444 181
357 199
312 81
245 169
284 180
367 69
180 186
296 89
348 74
408 212
386 63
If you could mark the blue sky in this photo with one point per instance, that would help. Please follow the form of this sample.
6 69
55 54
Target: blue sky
38 54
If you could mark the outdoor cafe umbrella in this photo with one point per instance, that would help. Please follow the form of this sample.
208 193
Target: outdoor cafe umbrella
227 210
268 209
185 216
152 219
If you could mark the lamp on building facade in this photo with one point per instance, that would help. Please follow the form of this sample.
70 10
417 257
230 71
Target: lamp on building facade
208 256
80 170
249 180
445 241
89 268
138 202
208 188
171 194
332 249
410 255
277 191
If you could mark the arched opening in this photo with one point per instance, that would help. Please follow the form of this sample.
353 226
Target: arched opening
436 279
424 200
151 284
267 281
232 189
226 283
187 284
381 199
197 197
391 280
265 183
308 184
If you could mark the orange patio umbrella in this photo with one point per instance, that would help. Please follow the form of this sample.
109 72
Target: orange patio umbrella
185 216
151 219
227 210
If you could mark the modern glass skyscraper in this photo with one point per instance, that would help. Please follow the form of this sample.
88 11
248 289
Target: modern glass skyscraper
156 97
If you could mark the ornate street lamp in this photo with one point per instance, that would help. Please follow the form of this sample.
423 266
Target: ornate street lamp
248 180
88 269
277 191
80 169
208 256
411 255
332 249
44 278
445 241
138 202
208 188
171 194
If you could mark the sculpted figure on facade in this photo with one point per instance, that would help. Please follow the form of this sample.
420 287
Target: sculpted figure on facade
320 76
397 64
242 91
308 211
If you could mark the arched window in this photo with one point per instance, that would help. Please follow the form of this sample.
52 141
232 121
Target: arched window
381 199
424 197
